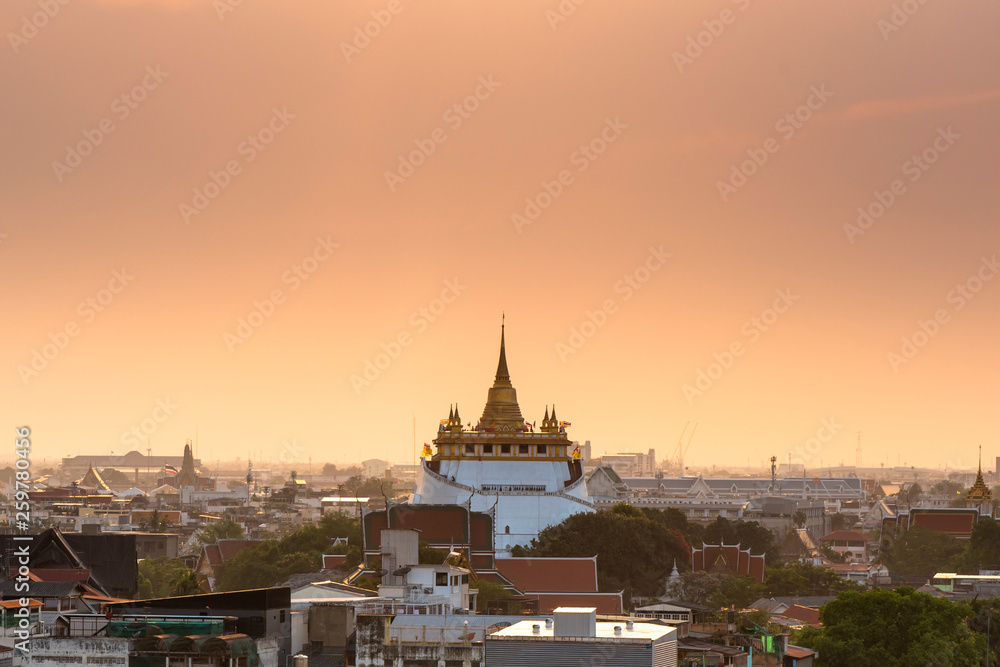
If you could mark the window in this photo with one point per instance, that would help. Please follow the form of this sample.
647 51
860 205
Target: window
487 449
470 449
541 450
522 449
465 578
281 617
505 449
441 579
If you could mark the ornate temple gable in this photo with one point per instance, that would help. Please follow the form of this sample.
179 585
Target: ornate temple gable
727 557
700 489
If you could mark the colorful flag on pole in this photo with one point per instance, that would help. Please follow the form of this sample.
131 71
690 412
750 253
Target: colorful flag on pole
170 470
564 424
427 451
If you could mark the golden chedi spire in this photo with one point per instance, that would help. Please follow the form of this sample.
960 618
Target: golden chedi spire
979 493
502 410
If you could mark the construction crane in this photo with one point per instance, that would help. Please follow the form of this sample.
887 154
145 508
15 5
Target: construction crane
677 460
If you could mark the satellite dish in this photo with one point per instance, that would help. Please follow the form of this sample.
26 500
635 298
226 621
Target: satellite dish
401 571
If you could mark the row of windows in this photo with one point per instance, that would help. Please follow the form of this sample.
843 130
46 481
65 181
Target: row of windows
441 579
503 488
523 450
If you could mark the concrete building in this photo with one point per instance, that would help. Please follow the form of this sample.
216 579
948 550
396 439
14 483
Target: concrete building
443 586
573 636
853 545
821 488
156 545
701 510
776 514
375 467
634 464
378 646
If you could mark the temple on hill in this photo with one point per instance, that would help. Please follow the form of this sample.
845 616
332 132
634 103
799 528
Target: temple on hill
527 479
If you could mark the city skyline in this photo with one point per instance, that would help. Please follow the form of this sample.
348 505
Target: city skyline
261 224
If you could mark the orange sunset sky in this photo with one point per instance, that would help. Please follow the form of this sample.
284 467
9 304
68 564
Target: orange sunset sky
172 169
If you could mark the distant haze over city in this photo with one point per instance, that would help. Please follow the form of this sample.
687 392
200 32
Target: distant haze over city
289 235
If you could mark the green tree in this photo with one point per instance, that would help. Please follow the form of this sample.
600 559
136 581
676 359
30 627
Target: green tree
187 584
833 556
838 521
274 561
156 523
959 499
946 487
369 487
982 551
489 591
911 494
804 579
634 552
986 621
894 628
166 577
220 530
428 555
919 551
716 589
799 518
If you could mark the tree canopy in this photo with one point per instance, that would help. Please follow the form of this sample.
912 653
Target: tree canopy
635 549
982 551
156 523
923 552
894 628
722 589
220 530
166 577
838 521
273 561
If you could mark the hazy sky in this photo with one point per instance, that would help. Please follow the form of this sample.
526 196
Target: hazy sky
633 183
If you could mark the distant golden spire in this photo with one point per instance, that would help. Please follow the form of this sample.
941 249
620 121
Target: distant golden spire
979 493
